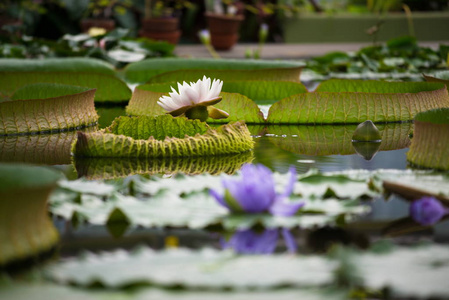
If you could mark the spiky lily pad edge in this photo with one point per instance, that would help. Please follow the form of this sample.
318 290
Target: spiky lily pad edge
227 139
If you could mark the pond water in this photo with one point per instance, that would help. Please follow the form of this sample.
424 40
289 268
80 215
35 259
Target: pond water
325 148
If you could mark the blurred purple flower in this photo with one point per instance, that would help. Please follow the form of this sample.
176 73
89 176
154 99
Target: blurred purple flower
254 192
427 210
249 242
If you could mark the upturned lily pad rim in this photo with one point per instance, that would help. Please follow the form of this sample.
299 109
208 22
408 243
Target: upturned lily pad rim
71 90
434 116
49 98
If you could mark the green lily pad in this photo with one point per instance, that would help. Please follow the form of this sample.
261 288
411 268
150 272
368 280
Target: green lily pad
284 74
25 228
239 99
355 101
74 64
45 107
335 139
141 137
109 87
441 77
430 143
206 269
107 168
144 70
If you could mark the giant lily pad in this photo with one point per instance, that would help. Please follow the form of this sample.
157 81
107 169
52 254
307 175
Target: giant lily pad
91 73
335 139
441 77
74 64
430 143
163 136
107 168
239 99
25 228
355 101
47 107
143 71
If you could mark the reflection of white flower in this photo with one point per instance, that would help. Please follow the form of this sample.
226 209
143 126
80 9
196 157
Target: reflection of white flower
192 99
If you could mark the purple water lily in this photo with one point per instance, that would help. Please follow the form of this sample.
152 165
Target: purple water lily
254 192
427 210
250 242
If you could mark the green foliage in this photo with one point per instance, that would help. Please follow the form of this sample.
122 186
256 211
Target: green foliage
397 56
46 90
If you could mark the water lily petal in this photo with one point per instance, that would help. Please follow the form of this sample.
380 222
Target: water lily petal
289 240
216 113
250 242
282 207
427 210
218 197
291 183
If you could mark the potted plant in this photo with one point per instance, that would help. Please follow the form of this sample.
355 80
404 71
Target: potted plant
224 23
99 13
159 23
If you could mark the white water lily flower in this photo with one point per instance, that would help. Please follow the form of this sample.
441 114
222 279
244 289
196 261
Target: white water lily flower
192 99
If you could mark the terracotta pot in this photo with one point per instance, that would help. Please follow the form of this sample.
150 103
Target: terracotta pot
107 24
160 24
223 30
170 36
161 29
224 41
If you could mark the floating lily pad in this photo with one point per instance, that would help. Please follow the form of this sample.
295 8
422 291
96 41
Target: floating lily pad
207 269
430 143
355 101
25 228
335 139
47 107
74 64
144 70
85 72
107 168
163 136
409 273
46 290
284 74
441 77
197 209
239 99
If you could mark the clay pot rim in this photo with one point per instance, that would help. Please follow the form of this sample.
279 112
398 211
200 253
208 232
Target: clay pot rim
225 17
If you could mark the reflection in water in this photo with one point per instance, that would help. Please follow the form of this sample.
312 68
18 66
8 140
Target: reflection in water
107 168
330 148
334 139
48 149
249 241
